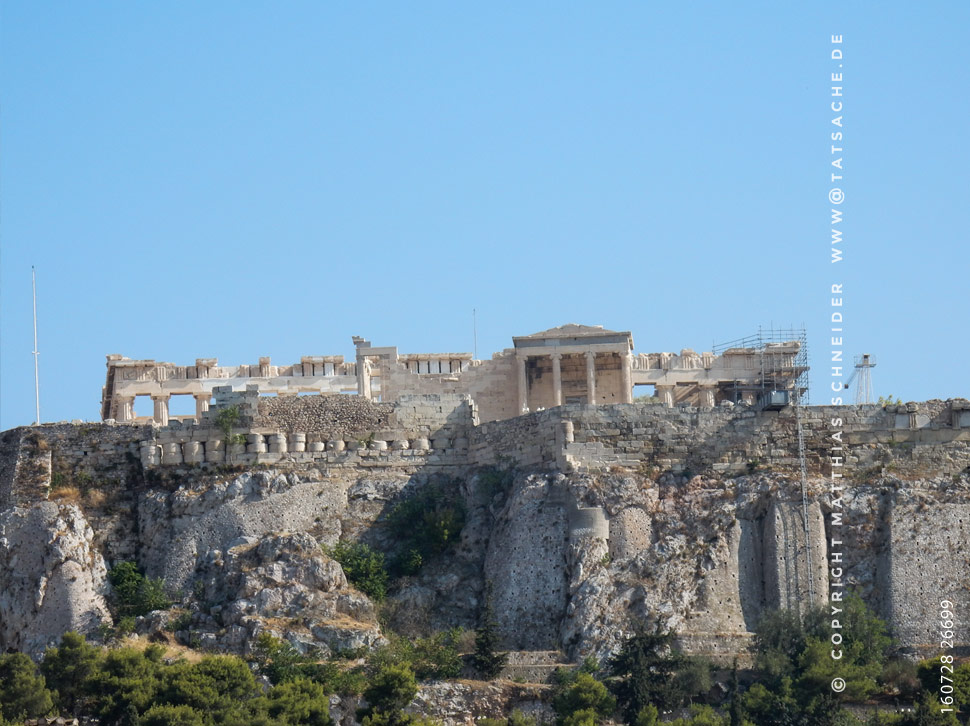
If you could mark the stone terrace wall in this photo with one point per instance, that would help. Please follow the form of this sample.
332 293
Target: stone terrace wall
416 431
533 440
34 455
738 440
325 415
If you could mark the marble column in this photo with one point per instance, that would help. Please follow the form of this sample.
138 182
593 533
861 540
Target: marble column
201 405
523 384
707 396
161 409
666 395
126 408
590 377
363 377
556 379
626 377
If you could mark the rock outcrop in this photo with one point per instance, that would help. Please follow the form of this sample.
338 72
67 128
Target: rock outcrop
51 578
581 522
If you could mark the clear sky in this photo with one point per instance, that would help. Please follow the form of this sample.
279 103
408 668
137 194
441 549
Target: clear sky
241 179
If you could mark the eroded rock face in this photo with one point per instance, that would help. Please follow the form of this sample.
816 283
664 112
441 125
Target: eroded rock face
285 584
51 578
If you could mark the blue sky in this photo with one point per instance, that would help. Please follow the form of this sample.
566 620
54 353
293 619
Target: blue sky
240 179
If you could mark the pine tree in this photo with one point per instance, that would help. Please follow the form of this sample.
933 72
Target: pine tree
735 710
488 661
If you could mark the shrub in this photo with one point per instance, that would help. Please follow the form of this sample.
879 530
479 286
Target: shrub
300 702
277 659
135 594
436 656
391 689
363 566
426 523
580 699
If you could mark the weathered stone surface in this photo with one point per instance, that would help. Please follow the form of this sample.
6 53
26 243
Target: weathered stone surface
693 517
51 578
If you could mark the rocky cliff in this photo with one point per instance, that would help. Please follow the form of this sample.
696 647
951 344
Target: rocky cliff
583 521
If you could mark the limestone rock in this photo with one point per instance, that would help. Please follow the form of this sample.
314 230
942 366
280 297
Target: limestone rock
51 578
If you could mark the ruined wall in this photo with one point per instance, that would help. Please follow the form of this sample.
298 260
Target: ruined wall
532 440
491 384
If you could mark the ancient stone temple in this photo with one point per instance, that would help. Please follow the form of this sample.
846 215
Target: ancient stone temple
568 364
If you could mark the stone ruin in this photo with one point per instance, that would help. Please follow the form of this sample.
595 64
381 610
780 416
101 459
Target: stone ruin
563 365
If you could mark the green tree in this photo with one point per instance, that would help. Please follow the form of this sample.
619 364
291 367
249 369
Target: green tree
23 693
488 660
126 685
583 717
69 670
693 678
436 656
226 420
363 566
645 670
776 707
865 645
930 674
300 702
277 659
135 594
218 685
427 523
929 712
581 692
391 689
165 714
735 709
647 716
779 641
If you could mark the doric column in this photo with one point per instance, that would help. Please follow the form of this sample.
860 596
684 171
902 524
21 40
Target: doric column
363 377
523 384
556 379
707 395
626 377
590 377
201 405
161 409
666 395
126 408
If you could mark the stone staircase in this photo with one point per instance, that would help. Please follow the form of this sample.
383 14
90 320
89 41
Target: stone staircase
534 666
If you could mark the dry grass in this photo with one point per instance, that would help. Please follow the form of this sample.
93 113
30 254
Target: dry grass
173 650
95 498
65 495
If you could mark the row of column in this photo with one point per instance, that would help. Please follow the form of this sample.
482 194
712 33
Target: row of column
126 407
626 384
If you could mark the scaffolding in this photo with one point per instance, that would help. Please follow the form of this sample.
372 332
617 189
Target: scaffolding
782 355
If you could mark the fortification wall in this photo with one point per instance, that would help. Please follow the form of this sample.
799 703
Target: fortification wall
533 440
932 436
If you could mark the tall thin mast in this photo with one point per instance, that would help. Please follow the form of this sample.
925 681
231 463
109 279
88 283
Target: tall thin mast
33 275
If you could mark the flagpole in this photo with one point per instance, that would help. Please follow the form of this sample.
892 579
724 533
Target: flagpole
33 275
